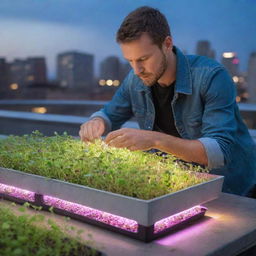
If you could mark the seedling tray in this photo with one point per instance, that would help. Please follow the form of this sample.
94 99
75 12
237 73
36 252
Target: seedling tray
137 218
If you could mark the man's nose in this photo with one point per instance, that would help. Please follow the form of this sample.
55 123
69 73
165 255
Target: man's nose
138 68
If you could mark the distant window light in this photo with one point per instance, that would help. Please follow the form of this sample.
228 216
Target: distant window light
65 61
109 82
245 95
14 86
238 98
235 79
235 61
30 78
116 82
102 82
228 55
40 110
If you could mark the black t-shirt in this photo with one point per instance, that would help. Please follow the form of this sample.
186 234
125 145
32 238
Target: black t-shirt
162 98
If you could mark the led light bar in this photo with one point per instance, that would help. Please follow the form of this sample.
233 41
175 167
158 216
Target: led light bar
17 192
107 218
175 219
85 213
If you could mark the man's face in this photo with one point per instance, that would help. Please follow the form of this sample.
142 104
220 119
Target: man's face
147 59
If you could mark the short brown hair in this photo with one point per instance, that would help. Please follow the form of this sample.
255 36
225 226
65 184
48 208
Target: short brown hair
144 19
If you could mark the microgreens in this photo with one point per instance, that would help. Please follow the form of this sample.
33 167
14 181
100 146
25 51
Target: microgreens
22 234
131 173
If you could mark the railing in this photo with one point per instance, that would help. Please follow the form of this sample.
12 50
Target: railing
20 122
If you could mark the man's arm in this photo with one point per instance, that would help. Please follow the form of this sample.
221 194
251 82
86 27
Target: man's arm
112 116
134 139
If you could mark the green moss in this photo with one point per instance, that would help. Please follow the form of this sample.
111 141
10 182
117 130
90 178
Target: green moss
132 173
21 236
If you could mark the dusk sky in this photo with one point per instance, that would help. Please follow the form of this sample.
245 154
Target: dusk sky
48 27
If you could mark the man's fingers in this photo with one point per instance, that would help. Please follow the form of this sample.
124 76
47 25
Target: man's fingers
113 135
92 130
118 142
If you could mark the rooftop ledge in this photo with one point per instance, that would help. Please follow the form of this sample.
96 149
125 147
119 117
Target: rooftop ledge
18 122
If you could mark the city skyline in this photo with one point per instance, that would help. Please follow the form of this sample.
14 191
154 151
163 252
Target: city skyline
45 28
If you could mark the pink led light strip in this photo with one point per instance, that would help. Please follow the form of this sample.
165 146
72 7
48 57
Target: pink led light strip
17 192
101 216
177 218
107 218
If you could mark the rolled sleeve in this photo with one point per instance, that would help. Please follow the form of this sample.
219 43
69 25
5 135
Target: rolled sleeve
213 151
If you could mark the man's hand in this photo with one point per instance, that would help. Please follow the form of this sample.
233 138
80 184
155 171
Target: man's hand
92 129
132 139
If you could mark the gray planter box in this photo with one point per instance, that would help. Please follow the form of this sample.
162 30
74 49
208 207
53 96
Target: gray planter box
145 212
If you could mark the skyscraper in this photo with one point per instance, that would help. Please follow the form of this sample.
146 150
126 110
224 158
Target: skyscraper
17 74
3 74
35 70
231 63
251 77
75 69
203 48
110 68
25 72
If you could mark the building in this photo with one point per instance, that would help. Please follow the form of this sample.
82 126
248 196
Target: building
203 48
75 70
3 74
17 74
110 68
113 71
35 70
26 72
231 63
251 78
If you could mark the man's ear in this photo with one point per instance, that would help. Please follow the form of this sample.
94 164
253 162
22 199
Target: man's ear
168 44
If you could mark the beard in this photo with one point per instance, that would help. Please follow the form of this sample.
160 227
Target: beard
149 79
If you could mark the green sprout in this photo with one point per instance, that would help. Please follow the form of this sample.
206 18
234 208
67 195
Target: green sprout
132 173
23 235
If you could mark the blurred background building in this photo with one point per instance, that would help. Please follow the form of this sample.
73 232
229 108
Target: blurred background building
251 78
203 48
75 70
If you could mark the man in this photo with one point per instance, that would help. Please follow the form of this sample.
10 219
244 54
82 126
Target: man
184 105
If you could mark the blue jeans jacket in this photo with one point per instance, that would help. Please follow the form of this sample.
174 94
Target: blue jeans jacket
204 108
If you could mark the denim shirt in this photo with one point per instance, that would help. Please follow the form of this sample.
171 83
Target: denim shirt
204 108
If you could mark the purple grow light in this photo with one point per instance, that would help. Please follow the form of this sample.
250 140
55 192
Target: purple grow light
17 192
110 221
107 218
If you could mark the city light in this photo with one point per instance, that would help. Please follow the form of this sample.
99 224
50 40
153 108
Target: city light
228 55
245 95
116 83
40 110
14 86
109 82
102 82
30 78
235 61
235 79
